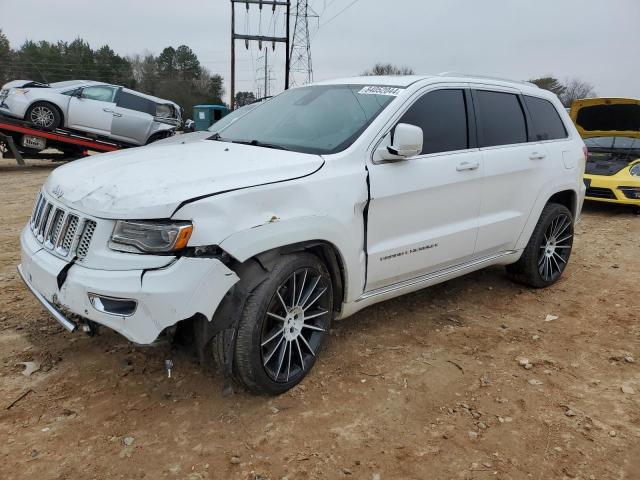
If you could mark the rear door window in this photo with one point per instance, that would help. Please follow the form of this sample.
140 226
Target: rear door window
501 120
546 124
137 103
442 115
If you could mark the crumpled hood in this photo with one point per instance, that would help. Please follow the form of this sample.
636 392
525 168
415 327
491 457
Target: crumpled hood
22 84
152 182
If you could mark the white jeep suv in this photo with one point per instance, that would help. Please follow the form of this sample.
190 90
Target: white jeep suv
320 202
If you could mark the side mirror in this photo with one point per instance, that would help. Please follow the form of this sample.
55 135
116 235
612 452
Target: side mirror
407 143
78 93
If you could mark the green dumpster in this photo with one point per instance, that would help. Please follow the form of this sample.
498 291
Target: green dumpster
206 115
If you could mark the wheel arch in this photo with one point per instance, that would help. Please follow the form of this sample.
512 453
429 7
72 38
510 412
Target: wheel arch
49 102
565 195
338 246
568 198
328 254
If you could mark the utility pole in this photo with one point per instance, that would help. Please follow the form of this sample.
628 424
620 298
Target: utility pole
259 38
301 44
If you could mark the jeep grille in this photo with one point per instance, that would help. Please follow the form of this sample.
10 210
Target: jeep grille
59 230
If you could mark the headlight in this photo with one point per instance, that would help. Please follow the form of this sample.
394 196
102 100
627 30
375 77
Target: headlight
20 90
150 237
635 170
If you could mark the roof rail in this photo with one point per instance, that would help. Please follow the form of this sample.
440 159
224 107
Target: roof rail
485 77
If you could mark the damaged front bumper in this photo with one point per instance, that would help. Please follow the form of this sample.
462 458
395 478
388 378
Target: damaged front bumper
162 297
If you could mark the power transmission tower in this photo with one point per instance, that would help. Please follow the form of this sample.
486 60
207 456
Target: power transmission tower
258 38
264 75
301 44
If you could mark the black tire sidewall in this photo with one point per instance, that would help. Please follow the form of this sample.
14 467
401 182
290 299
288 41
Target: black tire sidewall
248 357
550 212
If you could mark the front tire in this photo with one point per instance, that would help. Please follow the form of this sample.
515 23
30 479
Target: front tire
44 115
283 325
547 253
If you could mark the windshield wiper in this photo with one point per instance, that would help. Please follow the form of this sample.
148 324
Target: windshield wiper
257 143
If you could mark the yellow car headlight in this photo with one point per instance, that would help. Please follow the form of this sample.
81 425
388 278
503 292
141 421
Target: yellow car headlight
635 170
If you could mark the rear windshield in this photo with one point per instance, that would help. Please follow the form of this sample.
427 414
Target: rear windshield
319 119
609 118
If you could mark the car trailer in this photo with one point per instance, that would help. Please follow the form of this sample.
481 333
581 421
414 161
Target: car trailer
20 140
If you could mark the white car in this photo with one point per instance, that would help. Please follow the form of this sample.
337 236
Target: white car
325 200
100 109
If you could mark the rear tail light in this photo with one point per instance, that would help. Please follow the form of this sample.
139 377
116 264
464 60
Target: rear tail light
585 150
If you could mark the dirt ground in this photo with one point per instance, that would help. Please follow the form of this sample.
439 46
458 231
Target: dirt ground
427 386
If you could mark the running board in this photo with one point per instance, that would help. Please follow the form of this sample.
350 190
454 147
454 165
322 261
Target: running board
429 277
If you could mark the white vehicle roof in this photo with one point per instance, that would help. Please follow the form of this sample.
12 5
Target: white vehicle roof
407 80
71 83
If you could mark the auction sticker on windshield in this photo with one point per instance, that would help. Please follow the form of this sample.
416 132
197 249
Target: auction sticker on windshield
378 90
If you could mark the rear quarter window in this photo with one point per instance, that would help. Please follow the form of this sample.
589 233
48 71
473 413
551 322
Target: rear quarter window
134 102
501 119
165 111
546 123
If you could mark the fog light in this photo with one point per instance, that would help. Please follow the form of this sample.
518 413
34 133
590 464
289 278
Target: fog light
122 307
631 192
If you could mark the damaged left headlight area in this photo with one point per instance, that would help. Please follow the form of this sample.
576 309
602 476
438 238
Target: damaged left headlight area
150 236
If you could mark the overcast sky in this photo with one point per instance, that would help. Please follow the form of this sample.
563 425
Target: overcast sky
592 39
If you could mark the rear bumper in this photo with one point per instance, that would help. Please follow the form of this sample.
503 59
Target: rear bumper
164 296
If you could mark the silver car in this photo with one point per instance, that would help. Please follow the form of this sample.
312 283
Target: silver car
217 127
97 108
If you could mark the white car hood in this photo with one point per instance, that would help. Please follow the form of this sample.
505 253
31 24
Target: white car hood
152 182
184 138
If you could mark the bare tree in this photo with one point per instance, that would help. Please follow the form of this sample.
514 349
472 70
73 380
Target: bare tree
388 69
575 89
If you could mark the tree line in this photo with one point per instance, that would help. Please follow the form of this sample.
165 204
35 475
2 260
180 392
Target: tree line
175 74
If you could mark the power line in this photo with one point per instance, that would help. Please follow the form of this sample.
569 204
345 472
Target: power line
340 12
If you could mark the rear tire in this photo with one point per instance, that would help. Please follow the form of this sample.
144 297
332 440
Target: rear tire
44 115
546 255
283 325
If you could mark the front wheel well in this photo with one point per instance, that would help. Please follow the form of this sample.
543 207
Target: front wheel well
568 198
327 252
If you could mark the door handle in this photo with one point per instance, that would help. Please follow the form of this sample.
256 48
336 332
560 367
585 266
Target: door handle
467 166
117 114
537 156
108 110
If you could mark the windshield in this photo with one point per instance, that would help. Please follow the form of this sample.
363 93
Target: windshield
320 119
231 117
612 143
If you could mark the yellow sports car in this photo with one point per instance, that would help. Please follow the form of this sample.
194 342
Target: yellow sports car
610 128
